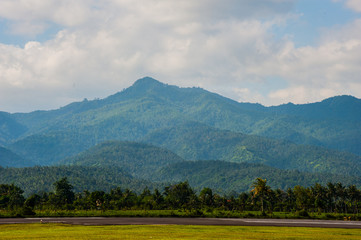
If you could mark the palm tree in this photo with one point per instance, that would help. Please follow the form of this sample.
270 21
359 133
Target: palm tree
261 190
354 195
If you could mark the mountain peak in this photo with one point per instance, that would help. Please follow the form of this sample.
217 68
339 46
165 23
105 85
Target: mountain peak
342 99
147 82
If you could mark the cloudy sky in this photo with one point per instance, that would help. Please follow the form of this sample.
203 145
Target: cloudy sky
55 52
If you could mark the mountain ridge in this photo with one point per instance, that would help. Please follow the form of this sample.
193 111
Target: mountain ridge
148 106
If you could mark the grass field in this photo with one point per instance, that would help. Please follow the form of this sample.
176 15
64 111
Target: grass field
62 231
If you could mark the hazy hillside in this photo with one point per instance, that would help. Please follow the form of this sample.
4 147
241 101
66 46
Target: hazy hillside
10 159
10 129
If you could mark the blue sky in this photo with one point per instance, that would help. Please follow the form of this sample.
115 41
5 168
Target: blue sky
267 51
314 17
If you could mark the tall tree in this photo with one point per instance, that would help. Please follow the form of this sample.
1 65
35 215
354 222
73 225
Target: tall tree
354 195
11 196
206 197
261 190
63 192
180 195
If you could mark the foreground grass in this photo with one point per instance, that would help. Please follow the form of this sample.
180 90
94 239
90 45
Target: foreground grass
62 231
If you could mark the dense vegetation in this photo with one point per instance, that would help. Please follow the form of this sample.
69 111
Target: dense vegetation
333 198
40 179
194 141
138 159
226 177
223 177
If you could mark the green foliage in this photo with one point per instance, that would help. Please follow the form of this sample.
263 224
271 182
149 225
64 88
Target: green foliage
225 177
304 202
63 193
196 141
41 179
138 159
11 196
180 195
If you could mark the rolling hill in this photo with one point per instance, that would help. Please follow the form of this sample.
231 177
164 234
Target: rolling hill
40 179
137 159
228 177
10 159
194 141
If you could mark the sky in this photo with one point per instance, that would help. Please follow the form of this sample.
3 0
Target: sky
271 52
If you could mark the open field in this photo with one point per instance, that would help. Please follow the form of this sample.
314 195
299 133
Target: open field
64 231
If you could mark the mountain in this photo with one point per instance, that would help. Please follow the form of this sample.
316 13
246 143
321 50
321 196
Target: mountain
238 177
150 111
151 126
340 107
149 105
137 159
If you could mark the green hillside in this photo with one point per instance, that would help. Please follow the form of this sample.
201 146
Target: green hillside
10 129
138 159
10 159
194 141
194 124
149 105
226 176
39 179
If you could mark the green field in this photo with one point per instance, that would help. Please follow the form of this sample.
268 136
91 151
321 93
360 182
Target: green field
63 231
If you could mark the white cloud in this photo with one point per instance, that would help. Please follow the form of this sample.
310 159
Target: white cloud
223 46
354 5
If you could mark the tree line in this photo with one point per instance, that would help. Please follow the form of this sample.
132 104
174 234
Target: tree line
332 198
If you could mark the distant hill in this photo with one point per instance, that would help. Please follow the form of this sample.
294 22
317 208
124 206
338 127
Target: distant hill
238 177
10 129
194 141
137 159
10 159
41 179
339 107
48 148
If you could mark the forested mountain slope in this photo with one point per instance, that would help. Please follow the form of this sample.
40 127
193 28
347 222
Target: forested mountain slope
10 159
10 129
38 179
195 124
238 177
194 141
149 105
138 159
